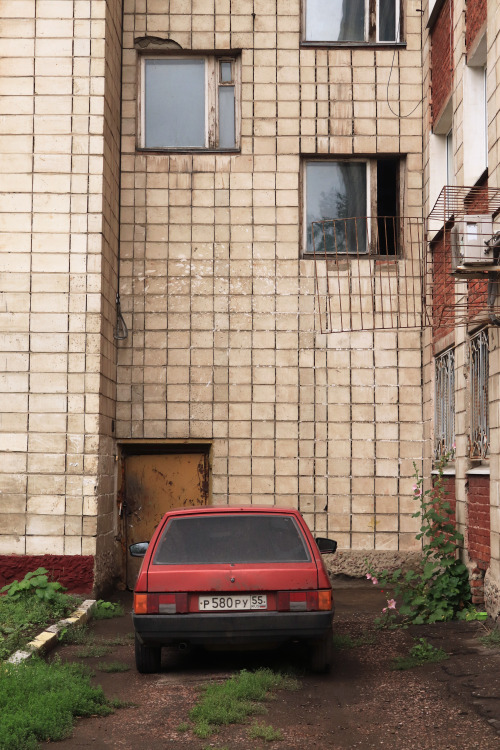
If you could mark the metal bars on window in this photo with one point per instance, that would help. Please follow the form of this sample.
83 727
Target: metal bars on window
479 439
444 419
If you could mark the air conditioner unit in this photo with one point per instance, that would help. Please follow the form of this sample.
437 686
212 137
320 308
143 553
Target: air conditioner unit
468 243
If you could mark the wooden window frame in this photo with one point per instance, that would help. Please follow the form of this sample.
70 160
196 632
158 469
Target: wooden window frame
212 84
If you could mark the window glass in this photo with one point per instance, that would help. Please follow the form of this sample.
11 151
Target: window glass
231 539
226 74
336 191
226 117
335 20
450 173
387 21
175 103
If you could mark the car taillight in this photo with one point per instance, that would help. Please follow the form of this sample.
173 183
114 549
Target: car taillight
303 601
163 604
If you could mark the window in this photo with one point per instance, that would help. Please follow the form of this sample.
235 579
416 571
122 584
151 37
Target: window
479 439
341 197
231 539
190 103
352 21
444 408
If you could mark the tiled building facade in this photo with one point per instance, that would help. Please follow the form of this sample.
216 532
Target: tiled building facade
198 217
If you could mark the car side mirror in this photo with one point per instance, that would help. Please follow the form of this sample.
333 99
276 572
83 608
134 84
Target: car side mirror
138 549
326 546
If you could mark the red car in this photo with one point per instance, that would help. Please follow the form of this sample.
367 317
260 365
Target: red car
221 576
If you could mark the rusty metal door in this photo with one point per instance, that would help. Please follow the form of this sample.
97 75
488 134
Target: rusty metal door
153 484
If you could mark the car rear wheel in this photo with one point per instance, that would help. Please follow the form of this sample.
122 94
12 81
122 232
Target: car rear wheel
321 654
147 658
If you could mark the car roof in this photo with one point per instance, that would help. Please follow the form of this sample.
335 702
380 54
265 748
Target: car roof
216 509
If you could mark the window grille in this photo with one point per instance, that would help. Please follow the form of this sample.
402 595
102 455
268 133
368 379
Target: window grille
444 421
479 439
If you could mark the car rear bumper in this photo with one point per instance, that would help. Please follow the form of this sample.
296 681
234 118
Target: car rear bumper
232 628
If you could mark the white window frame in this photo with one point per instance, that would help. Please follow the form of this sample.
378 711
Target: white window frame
370 36
397 23
212 84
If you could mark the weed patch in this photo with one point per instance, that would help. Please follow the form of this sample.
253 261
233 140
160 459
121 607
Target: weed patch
237 698
422 652
114 666
39 702
265 732
491 639
105 610
93 651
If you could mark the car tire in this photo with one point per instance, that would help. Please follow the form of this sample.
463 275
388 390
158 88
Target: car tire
147 658
321 654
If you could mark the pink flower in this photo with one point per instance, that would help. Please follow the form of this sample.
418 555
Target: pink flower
416 489
385 609
368 575
374 581
391 604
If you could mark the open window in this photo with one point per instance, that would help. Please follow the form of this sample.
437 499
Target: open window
352 206
352 21
190 103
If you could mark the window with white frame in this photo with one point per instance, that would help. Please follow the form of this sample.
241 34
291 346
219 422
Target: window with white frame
351 206
352 21
190 102
479 438
444 404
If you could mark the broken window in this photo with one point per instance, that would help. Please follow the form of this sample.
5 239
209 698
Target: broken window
338 21
352 206
444 406
479 439
190 103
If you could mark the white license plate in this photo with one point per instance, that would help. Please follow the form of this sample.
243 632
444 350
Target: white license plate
211 603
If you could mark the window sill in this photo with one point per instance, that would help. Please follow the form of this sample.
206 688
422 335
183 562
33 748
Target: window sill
448 472
479 471
353 45
166 151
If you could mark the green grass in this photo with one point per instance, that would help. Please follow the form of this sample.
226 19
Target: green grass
114 666
422 652
75 635
232 701
39 702
184 726
491 639
23 618
93 651
105 610
265 732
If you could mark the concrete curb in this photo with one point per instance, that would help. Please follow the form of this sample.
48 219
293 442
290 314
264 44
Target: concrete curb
49 638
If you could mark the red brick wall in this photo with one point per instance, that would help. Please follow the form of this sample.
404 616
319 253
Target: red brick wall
442 59
75 572
477 297
478 522
475 18
443 289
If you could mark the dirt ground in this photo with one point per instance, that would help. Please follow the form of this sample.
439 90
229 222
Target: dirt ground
361 704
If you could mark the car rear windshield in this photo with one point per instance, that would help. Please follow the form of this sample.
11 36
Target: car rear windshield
231 539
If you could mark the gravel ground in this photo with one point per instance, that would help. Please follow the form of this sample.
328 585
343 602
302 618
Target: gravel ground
363 703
